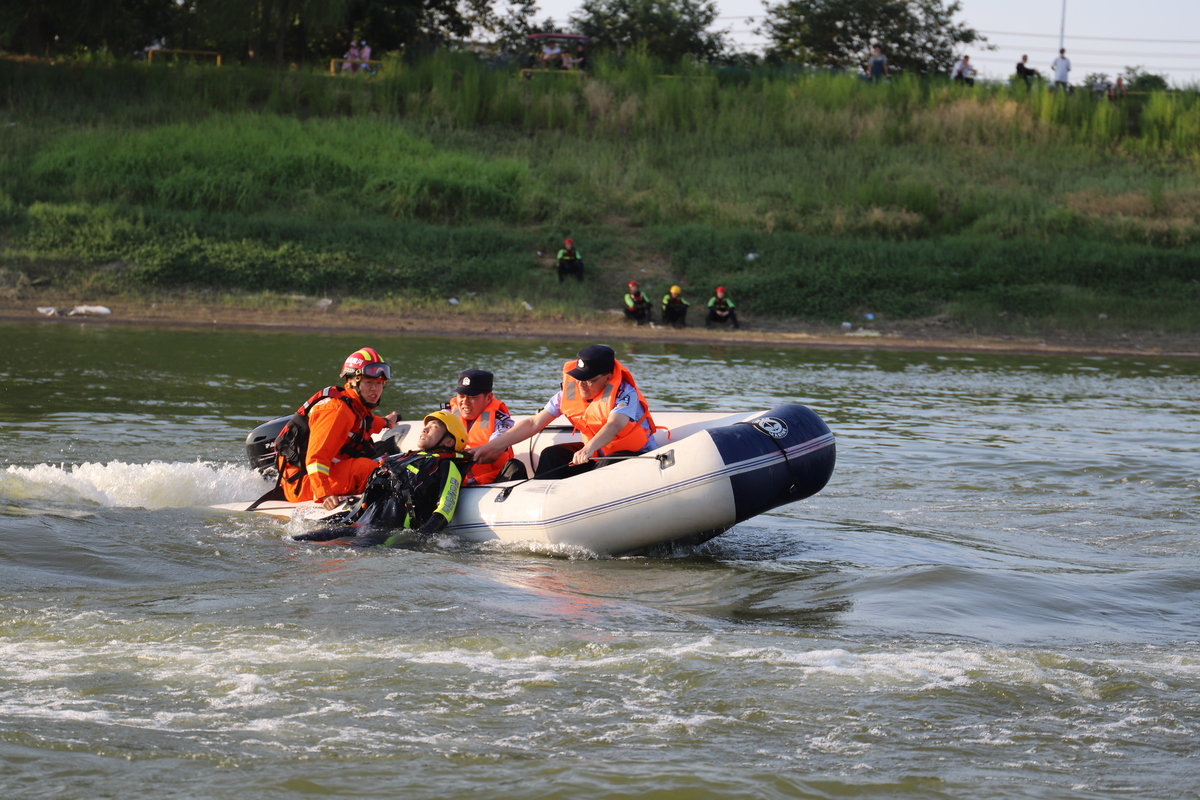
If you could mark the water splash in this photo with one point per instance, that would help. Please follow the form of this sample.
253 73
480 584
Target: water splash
121 485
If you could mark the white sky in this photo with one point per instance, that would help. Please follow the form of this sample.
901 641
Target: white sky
1162 36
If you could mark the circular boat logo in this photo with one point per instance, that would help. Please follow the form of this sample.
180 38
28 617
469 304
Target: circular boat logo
772 426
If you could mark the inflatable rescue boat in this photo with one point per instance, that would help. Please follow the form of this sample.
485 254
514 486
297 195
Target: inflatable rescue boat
710 472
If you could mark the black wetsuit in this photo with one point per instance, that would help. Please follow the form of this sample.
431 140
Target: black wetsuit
416 492
569 263
637 308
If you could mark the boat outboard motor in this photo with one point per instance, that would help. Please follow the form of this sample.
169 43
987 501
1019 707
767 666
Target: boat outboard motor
260 444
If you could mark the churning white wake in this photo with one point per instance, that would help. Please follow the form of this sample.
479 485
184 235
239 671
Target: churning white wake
154 485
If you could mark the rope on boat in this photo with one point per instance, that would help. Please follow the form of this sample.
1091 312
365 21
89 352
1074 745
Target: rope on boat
795 480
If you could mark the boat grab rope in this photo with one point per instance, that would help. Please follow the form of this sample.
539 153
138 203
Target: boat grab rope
754 423
664 459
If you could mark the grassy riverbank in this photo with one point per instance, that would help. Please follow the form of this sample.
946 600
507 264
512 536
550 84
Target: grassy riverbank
814 199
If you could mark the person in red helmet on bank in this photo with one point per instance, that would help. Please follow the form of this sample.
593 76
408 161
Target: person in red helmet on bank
720 309
570 262
325 452
637 307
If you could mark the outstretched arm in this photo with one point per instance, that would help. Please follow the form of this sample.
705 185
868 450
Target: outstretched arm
489 451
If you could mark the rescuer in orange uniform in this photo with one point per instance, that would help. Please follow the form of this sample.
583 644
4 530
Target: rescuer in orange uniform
601 399
325 452
486 417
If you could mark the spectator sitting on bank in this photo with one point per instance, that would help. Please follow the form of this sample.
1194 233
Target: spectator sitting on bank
637 307
1062 70
1118 89
675 308
350 62
1101 85
720 310
551 55
364 52
569 261
1025 73
964 72
579 60
877 68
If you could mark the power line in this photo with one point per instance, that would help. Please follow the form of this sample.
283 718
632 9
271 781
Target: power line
1095 38
1091 66
1114 53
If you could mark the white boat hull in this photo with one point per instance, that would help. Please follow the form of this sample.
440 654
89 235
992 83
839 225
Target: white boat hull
710 472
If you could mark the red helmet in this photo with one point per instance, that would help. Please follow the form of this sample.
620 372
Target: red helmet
633 284
720 288
366 362
568 242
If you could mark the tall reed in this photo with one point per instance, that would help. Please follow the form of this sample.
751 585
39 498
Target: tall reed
456 88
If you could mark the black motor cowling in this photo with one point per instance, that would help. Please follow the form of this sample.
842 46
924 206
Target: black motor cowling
260 444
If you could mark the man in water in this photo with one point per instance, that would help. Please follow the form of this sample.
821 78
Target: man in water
325 452
415 492
601 399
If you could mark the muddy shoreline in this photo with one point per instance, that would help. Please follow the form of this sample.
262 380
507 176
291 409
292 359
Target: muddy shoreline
928 335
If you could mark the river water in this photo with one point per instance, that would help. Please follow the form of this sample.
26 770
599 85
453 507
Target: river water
997 595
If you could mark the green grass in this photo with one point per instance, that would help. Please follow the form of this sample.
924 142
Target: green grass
443 178
237 163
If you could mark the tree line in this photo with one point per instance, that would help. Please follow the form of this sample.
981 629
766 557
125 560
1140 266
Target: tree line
917 36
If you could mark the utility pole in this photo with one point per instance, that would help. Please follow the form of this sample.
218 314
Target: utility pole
1062 30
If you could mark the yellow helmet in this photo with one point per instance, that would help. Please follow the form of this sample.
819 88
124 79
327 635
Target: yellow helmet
454 426
675 290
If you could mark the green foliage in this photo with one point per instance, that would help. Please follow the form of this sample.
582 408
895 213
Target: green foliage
668 30
365 257
794 275
94 30
916 36
278 32
1137 79
630 95
442 177
261 163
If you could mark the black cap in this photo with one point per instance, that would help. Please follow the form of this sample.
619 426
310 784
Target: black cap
474 381
599 359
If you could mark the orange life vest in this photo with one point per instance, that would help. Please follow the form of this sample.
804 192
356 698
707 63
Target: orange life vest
480 432
304 465
589 417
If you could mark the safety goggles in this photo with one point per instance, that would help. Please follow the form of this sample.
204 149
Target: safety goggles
377 370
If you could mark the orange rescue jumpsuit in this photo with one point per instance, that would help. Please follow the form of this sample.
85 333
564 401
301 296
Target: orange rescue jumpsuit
328 470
